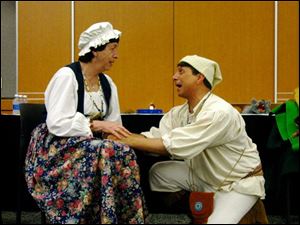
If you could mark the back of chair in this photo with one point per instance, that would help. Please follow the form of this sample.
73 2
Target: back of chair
31 115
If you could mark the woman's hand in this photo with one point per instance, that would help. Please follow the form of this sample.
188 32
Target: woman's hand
112 137
110 127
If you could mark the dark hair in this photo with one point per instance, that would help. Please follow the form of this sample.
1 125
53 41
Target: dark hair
89 56
195 72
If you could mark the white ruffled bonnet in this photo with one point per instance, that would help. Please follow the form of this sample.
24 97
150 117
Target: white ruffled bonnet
96 35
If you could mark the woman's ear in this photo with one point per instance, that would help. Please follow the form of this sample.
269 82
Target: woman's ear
96 56
94 53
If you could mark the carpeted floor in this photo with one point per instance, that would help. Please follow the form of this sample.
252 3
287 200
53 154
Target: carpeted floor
34 218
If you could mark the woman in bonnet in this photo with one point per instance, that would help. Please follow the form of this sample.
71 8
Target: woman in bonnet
74 174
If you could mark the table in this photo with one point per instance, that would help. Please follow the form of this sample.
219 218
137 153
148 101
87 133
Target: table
258 128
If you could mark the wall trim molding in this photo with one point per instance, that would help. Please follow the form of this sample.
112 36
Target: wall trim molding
275 51
72 29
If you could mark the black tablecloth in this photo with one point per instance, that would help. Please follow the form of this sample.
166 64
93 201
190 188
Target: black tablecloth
258 128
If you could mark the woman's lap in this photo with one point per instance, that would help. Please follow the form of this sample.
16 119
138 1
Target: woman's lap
82 179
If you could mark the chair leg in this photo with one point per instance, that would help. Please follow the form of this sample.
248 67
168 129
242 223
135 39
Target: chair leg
19 205
18 216
1 221
288 221
43 218
19 199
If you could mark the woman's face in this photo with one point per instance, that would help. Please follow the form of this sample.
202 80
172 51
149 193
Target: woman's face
106 58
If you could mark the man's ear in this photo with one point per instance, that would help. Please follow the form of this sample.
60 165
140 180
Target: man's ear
201 78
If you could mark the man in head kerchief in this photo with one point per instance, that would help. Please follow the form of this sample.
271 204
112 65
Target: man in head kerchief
209 147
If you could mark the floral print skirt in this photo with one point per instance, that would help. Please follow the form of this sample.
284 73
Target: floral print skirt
84 180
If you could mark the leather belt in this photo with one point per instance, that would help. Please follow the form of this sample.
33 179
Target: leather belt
256 172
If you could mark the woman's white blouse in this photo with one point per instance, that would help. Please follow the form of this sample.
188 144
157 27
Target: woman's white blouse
61 101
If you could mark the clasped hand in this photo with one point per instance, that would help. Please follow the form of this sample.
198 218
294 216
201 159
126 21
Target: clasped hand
110 128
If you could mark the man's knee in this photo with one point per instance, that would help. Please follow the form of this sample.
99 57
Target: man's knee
155 176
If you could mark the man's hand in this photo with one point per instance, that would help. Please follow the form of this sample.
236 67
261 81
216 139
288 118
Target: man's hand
110 127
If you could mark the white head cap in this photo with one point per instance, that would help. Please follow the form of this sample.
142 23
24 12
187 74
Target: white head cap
210 69
96 35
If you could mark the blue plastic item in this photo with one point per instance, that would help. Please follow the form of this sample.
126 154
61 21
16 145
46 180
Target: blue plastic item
149 111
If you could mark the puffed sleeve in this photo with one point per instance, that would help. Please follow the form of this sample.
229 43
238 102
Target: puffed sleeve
165 126
211 129
61 103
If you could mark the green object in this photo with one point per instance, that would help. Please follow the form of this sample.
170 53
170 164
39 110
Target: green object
286 114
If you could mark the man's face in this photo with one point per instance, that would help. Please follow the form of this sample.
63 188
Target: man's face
185 81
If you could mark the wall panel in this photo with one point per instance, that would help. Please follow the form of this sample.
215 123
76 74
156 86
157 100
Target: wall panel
288 49
238 35
144 70
44 37
8 49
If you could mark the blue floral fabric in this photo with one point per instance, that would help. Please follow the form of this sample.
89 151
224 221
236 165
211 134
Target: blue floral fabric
84 180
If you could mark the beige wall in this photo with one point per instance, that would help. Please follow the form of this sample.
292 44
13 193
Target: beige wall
44 39
238 35
143 71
